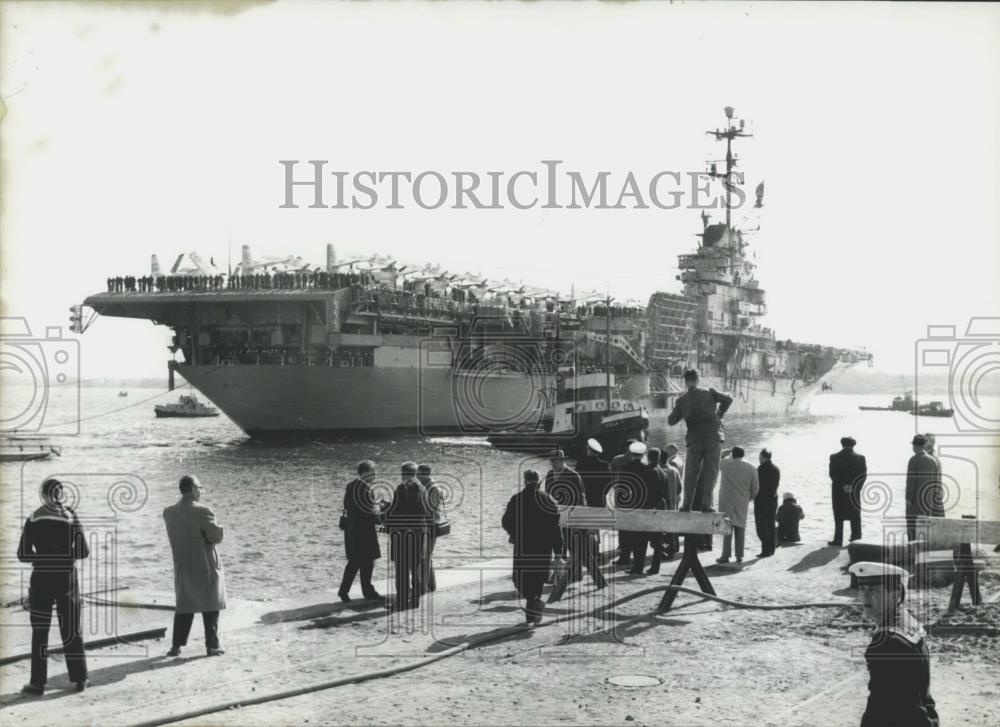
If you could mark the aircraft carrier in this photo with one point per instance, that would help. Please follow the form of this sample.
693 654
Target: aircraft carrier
367 346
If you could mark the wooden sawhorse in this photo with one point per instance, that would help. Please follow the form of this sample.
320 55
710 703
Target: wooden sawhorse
693 525
959 535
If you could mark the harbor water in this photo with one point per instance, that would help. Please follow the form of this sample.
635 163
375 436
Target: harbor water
280 502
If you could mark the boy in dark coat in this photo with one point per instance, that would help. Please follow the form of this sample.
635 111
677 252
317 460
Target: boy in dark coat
52 540
532 521
788 518
899 664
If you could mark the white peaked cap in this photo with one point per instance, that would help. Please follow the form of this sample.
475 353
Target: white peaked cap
637 448
878 572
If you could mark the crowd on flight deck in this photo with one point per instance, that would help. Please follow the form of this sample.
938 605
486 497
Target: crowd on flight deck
276 280
319 279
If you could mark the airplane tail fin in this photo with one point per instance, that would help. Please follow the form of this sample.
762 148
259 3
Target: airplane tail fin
177 264
202 267
154 267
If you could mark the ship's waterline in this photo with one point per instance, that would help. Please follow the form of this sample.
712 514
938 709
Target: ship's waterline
274 400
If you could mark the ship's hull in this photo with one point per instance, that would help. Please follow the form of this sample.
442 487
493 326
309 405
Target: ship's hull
277 401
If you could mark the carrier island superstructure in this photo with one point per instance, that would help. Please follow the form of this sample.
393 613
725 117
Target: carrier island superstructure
366 346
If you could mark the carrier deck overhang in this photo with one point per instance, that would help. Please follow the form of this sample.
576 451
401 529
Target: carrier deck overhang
153 304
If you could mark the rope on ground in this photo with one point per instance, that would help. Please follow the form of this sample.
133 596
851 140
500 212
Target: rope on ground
121 604
96 644
453 651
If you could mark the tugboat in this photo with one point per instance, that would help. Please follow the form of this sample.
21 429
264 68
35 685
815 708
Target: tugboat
22 449
899 403
934 409
188 406
586 409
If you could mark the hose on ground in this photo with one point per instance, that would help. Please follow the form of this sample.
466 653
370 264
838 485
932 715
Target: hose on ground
96 644
458 649
121 604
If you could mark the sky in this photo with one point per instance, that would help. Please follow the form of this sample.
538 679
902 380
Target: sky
133 129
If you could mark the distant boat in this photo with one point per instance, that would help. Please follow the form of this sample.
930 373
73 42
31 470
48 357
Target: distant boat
187 406
899 403
122 393
934 409
22 449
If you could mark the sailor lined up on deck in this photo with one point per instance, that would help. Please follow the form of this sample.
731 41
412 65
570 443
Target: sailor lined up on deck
702 411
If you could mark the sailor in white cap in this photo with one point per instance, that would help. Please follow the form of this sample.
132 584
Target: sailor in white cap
595 473
631 485
898 661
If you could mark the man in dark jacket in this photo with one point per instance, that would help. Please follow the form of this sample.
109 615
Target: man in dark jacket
641 487
923 486
765 504
702 411
659 497
848 471
532 522
51 541
408 521
360 535
565 486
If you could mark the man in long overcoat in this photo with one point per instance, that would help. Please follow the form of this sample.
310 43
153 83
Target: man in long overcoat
360 533
765 504
848 472
532 522
923 486
199 583
740 484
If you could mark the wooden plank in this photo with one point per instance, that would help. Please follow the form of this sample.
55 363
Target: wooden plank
648 521
942 532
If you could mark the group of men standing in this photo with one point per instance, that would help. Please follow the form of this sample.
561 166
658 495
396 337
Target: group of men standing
924 492
414 519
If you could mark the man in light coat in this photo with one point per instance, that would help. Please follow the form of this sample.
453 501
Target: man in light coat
740 484
199 583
